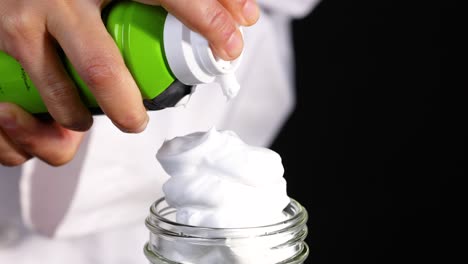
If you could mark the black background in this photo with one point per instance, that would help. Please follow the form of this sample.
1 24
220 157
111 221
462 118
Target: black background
378 131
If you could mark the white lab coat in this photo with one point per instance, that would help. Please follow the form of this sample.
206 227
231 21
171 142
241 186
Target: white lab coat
92 210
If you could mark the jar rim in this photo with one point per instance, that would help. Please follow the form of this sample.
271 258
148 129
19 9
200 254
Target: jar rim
156 222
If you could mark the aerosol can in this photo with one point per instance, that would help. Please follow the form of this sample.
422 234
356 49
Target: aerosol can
166 59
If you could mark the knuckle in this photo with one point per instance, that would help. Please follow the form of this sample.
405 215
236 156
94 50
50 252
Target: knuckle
19 33
220 22
56 90
20 25
61 98
98 72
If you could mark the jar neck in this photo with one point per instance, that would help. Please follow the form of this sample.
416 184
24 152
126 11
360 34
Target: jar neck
277 243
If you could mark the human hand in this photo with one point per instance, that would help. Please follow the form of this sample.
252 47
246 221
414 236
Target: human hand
23 136
30 31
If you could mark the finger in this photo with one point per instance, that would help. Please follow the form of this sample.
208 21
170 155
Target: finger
82 35
46 140
212 20
55 87
29 43
246 12
10 154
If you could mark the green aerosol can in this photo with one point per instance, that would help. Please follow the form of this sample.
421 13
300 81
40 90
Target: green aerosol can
166 59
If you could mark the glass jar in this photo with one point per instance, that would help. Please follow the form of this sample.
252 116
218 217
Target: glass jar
171 242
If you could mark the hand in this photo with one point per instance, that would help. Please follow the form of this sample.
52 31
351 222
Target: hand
22 136
30 32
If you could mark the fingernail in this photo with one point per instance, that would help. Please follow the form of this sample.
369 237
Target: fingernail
234 45
250 12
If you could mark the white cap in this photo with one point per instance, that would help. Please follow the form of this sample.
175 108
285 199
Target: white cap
192 61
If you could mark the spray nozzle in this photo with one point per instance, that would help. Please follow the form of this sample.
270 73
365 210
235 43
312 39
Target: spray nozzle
192 61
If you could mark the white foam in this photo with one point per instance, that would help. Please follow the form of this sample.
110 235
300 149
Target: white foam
217 180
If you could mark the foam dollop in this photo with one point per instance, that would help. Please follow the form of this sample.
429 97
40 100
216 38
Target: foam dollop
217 180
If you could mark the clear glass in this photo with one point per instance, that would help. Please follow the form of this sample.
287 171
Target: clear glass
171 242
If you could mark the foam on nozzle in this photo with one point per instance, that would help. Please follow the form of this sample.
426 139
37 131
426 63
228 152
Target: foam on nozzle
229 84
192 61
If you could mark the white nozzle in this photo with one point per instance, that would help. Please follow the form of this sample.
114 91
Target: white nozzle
192 61
229 84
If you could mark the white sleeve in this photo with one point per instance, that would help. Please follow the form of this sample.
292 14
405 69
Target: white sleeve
293 8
